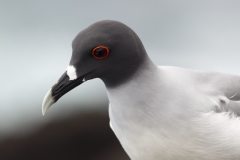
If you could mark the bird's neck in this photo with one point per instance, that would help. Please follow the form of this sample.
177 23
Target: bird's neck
128 72
134 96
143 83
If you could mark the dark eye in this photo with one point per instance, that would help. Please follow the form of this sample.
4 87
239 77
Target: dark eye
100 52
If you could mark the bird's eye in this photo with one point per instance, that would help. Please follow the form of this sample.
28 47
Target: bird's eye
100 52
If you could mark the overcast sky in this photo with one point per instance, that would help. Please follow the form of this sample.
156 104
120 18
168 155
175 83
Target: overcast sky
36 36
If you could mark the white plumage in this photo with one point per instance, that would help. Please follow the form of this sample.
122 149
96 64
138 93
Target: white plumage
171 113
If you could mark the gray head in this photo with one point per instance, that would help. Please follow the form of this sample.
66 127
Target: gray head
108 50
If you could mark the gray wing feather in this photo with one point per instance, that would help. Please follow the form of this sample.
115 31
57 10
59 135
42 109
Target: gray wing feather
227 89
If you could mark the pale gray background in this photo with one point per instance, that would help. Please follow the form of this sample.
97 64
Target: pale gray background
35 47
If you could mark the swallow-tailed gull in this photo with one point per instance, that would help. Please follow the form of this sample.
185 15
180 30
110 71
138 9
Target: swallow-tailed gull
157 113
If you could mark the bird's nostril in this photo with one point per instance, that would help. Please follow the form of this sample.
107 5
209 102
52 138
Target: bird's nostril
58 88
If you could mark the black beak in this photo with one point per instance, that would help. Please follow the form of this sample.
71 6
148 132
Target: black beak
63 86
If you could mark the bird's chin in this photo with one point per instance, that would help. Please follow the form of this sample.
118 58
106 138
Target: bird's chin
63 86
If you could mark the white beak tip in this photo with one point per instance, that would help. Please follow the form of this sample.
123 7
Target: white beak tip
47 102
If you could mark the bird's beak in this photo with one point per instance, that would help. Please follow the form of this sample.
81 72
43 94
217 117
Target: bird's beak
63 86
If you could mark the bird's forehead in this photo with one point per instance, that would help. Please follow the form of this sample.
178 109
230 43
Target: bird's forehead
101 32
84 39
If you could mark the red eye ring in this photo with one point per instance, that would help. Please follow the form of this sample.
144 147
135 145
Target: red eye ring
100 48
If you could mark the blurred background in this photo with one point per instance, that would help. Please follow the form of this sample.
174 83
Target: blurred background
35 49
